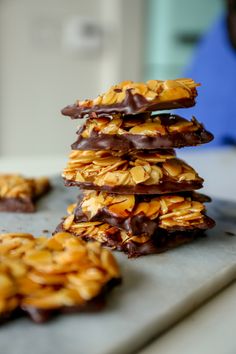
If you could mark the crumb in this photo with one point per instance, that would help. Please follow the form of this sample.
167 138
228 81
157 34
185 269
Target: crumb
45 231
229 233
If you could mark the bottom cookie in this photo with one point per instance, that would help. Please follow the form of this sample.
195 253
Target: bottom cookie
44 277
140 245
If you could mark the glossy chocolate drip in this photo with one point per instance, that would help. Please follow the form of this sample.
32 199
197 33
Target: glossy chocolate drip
125 142
132 104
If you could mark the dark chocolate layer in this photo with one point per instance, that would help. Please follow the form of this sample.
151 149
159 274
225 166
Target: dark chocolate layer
126 142
161 188
161 241
132 104
16 205
100 141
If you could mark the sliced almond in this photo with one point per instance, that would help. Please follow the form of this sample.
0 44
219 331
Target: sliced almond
153 210
109 97
188 176
139 174
141 208
155 175
122 205
149 129
115 178
106 161
172 167
68 221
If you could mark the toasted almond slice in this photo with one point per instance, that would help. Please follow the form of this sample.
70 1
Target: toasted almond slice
185 205
87 224
190 216
141 208
63 297
115 178
36 258
139 174
109 97
47 279
17 234
173 199
120 96
152 128
174 214
26 286
79 177
155 175
138 239
164 206
153 210
154 85
17 268
97 100
71 208
172 167
68 221
61 237
113 126
105 161
54 245
122 205
109 263
188 176
7 286
197 206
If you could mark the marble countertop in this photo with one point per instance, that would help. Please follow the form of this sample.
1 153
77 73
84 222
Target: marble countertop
203 331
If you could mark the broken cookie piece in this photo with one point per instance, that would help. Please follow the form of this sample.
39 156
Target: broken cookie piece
19 194
46 276
130 97
137 172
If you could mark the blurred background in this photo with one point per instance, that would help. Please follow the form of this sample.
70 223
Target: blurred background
55 51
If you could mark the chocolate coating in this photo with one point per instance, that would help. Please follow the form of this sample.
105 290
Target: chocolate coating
161 241
164 187
16 205
141 224
124 142
132 104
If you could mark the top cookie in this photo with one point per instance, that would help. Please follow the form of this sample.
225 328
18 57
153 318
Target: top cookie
130 97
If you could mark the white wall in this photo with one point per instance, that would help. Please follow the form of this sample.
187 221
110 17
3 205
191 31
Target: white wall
38 77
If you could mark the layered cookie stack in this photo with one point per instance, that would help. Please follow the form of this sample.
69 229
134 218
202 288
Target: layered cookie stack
138 196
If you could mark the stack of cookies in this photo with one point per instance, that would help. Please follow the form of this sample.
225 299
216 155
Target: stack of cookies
138 197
